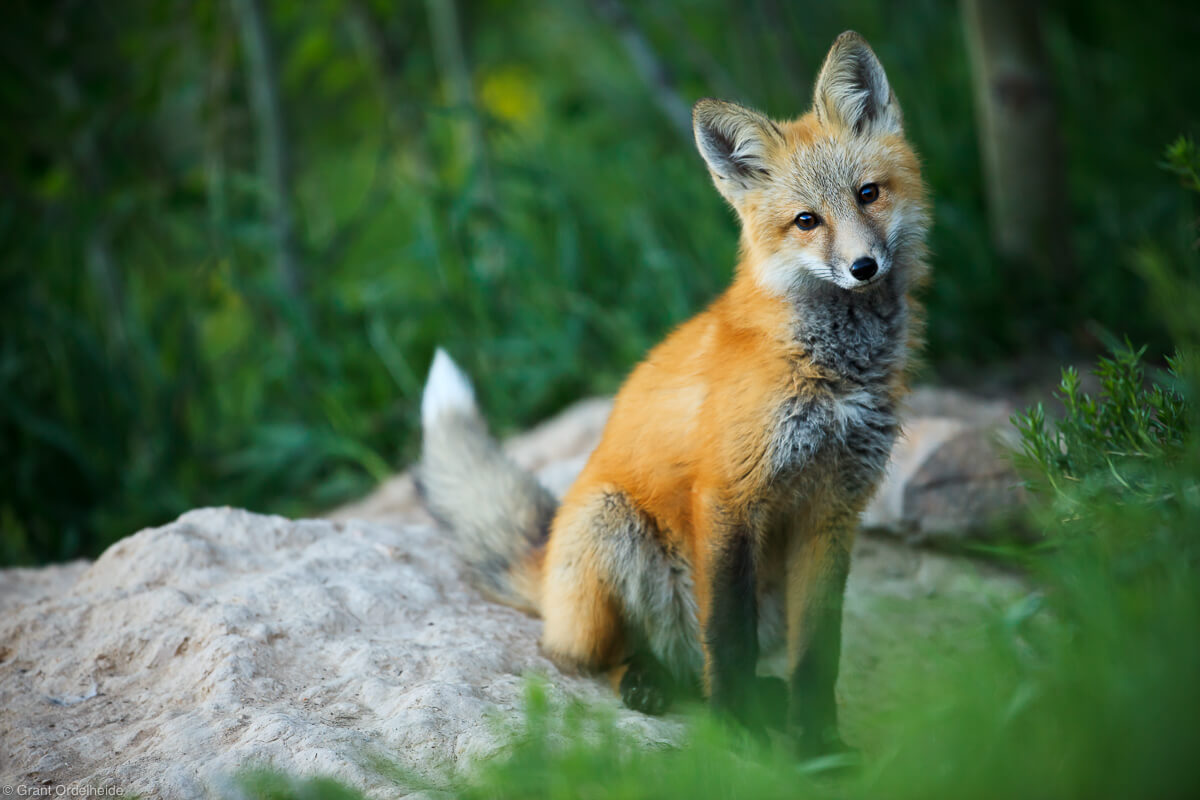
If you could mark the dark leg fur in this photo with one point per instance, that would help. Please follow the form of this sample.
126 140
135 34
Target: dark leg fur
813 710
731 635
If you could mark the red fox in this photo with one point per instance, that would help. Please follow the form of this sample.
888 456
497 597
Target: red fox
715 519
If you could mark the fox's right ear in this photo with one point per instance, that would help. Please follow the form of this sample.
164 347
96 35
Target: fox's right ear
736 144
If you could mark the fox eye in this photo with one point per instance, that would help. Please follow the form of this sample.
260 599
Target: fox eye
869 193
806 220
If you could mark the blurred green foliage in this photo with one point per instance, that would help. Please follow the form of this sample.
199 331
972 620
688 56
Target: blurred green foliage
150 362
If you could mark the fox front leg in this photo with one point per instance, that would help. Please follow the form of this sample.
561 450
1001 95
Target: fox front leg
817 567
731 625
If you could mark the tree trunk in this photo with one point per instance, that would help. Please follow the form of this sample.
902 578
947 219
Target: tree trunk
1023 161
452 66
274 153
650 68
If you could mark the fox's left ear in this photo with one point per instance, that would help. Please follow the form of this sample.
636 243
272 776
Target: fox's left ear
852 89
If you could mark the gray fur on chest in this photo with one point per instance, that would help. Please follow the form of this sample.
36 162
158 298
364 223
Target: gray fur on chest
850 434
845 428
861 337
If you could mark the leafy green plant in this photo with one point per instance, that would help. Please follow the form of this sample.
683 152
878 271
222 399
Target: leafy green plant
1183 158
1111 440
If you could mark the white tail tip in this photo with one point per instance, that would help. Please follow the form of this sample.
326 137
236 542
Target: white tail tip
446 389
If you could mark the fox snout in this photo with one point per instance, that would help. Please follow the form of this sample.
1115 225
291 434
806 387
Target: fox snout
858 252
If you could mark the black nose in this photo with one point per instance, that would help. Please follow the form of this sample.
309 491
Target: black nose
864 269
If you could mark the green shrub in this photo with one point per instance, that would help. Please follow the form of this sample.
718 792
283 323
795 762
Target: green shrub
1110 443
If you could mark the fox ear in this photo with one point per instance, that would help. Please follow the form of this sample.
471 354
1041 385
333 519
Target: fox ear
736 144
852 89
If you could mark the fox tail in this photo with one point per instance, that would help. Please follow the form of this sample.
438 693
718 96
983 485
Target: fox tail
497 513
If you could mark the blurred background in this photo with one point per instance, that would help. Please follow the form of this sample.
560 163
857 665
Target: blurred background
231 233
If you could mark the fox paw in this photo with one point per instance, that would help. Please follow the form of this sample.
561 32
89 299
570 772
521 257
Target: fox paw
825 745
646 689
771 701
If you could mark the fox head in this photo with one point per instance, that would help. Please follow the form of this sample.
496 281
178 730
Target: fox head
833 197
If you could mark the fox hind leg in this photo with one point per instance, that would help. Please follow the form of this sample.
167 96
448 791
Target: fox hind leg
617 597
582 628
